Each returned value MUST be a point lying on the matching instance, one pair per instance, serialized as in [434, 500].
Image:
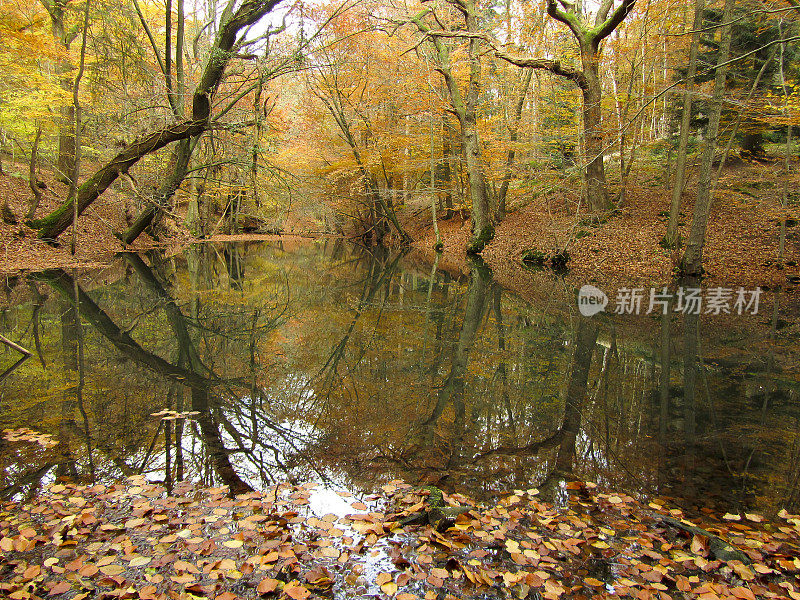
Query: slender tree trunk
[76, 158]
[672, 239]
[787, 156]
[447, 169]
[437, 245]
[692, 263]
[513, 136]
[33, 180]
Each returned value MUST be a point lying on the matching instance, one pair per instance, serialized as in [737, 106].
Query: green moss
[534, 257]
[44, 224]
[480, 239]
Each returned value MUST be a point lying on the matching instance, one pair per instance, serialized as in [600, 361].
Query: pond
[246, 364]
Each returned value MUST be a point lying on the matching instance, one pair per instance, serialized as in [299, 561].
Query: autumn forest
[441, 299]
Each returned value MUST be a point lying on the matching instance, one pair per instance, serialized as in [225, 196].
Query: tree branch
[610, 24]
[568, 18]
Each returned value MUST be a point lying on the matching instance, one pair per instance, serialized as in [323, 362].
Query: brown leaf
[743, 592]
[699, 545]
[296, 591]
[112, 570]
[88, 570]
[32, 572]
[268, 585]
[60, 588]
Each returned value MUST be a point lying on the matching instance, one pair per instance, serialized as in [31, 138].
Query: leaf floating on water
[112, 570]
[753, 517]
[62, 587]
[296, 591]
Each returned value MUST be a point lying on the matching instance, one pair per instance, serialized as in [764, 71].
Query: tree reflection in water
[326, 361]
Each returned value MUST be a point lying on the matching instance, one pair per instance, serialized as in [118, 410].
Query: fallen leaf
[296, 591]
[61, 587]
[390, 589]
[112, 570]
[267, 585]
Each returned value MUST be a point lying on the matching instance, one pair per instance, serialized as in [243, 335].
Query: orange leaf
[268, 585]
[88, 570]
[32, 572]
[60, 588]
[296, 591]
[744, 593]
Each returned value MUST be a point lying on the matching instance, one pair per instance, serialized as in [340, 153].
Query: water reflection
[326, 361]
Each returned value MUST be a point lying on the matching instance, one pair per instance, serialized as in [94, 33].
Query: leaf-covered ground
[131, 540]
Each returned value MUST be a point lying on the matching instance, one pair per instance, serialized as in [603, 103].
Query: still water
[254, 363]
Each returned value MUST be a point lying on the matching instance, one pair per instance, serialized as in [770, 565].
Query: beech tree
[464, 103]
[227, 42]
[588, 34]
[692, 262]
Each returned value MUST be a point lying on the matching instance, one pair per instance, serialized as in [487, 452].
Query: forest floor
[96, 245]
[133, 540]
[741, 250]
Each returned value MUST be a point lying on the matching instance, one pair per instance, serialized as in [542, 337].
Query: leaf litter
[133, 541]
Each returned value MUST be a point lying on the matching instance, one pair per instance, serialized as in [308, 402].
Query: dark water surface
[323, 361]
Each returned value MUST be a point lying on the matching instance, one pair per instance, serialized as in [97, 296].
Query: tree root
[437, 513]
[721, 549]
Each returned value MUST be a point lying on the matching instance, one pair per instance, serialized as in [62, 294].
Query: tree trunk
[465, 108]
[218, 57]
[692, 263]
[482, 226]
[672, 239]
[33, 180]
[168, 188]
[447, 170]
[525, 80]
[596, 194]
[66, 120]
